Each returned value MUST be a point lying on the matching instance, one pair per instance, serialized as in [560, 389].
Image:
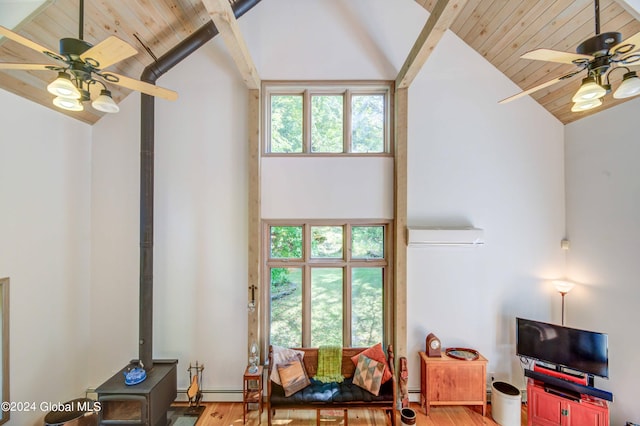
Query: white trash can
[506, 404]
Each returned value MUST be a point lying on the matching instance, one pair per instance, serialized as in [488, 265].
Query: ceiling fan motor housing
[73, 48]
[599, 44]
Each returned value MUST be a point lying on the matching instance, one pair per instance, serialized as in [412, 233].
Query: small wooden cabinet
[252, 392]
[450, 381]
[547, 409]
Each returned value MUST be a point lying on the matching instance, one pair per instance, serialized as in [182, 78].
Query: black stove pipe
[147, 112]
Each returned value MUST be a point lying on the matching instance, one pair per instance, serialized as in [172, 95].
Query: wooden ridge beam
[443, 14]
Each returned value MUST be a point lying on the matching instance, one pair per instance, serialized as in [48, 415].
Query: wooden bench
[333, 396]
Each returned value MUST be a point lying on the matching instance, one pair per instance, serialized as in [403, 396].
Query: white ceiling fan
[81, 70]
[599, 55]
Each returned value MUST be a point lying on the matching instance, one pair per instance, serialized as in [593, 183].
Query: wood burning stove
[146, 403]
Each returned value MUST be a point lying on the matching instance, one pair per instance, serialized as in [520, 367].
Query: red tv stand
[546, 408]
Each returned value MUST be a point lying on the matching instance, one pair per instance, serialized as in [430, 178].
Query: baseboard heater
[418, 236]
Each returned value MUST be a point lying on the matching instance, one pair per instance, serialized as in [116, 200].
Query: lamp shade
[105, 102]
[589, 90]
[585, 105]
[563, 286]
[68, 104]
[63, 87]
[630, 86]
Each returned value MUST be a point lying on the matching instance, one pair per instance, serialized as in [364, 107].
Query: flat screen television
[579, 350]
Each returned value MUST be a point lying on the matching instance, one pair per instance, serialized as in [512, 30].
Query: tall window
[327, 118]
[328, 283]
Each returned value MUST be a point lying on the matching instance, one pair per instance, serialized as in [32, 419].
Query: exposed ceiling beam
[443, 14]
[225, 21]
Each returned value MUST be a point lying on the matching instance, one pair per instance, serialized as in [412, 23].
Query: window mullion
[346, 122]
[306, 285]
[346, 285]
[346, 309]
[306, 122]
[306, 306]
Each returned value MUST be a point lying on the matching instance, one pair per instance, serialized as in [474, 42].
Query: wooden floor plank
[230, 414]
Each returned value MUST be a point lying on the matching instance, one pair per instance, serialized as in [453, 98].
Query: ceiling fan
[81, 70]
[599, 55]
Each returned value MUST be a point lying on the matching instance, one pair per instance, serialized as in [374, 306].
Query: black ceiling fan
[81, 69]
[599, 56]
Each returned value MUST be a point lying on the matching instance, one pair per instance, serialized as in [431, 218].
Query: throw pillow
[368, 374]
[375, 352]
[293, 376]
[281, 355]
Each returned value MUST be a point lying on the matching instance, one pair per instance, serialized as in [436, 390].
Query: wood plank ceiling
[503, 30]
[500, 30]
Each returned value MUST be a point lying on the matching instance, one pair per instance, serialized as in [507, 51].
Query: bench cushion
[330, 393]
[348, 392]
[316, 392]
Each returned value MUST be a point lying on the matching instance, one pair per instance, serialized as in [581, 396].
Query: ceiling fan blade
[147, 88]
[30, 67]
[625, 46]
[556, 56]
[538, 87]
[108, 52]
[25, 41]
[631, 59]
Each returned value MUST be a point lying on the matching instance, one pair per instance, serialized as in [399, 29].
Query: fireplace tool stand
[194, 393]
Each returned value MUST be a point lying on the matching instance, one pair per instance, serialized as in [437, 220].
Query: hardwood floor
[230, 414]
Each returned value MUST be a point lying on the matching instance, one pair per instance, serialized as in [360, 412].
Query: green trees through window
[286, 123]
[327, 284]
[328, 120]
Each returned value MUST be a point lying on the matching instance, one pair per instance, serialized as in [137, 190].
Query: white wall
[473, 162]
[603, 214]
[45, 163]
[115, 241]
[327, 187]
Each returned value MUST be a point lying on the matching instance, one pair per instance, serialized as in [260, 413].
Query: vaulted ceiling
[499, 30]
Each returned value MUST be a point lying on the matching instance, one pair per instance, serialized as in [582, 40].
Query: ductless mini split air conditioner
[429, 236]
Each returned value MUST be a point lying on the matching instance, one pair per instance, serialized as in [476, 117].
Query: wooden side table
[252, 389]
[449, 381]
